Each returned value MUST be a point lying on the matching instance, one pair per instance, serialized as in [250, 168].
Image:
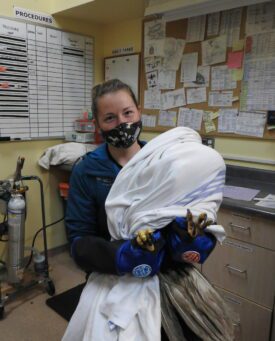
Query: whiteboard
[125, 68]
[46, 78]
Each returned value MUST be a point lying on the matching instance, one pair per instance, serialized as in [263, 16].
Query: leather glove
[142, 256]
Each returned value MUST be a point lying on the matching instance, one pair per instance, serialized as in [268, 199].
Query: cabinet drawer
[243, 269]
[248, 228]
[251, 321]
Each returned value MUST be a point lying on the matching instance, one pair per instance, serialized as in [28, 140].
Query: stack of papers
[268, 201]
[240, 193]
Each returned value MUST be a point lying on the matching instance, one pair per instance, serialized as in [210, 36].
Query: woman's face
[115, 108]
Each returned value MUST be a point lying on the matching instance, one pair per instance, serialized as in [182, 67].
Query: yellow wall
[6, 6]
[62, 5]
[262, 150]
[123, 34]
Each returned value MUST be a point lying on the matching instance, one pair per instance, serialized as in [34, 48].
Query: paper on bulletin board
[209, 124]
[154, 38]
[221, 78]
[238, 45]
[148, 120]
[260, 18]
[231, 24]
[189, 66]
[202, 78]
[235, 60]
[173, 99]
[152, 99]
[214, 50]
[167, 118]
[173, 50]
[167, 79]
[191, 118]
[237, 74]
[220, 99]
[258, 86]
[196, 28]
[227, 120]
[213, 24]
[152, 79]
[251, 124]
[196, 95]
[152, 64]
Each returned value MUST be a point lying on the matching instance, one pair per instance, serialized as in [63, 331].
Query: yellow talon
[144, 240]
[196, 227]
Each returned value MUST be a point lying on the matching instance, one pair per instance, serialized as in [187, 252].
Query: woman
[118, 117]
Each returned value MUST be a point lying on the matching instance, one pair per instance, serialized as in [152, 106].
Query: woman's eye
[127, 113]
[109, 119]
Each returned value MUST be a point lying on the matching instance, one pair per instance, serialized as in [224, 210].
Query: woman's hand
[187, 241]
[141, 256]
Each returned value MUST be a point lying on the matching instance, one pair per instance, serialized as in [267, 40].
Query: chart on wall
[46, 77]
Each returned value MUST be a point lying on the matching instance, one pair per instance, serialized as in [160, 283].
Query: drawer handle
[232, 268]
[240, 227]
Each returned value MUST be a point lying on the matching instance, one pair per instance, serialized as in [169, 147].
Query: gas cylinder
[16, 237]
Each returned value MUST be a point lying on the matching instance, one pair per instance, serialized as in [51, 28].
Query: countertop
[262, 180]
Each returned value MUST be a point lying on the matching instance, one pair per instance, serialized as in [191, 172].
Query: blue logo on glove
[142, 270]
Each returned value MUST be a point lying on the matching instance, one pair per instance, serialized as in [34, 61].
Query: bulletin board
[46, 77]
[126, 68]
[178, 29]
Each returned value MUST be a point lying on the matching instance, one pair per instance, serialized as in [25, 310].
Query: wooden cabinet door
[244, 269]
[248, 228]
[251, 321]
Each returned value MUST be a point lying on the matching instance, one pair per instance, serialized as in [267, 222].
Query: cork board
[178, 29]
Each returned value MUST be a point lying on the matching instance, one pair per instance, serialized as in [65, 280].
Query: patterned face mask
[124, 135]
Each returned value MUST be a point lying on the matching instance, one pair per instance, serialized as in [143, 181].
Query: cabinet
[243, 271]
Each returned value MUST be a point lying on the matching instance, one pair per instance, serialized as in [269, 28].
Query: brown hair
[109, 86]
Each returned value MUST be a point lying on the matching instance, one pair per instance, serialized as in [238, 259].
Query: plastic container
[84, 126]
[80, 137]
[64, 189]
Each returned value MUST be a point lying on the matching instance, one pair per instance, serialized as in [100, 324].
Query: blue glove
[131, 258]
[180, 242]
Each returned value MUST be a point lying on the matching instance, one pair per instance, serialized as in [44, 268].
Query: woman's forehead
[120, 97]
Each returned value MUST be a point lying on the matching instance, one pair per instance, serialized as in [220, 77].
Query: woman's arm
[91, 251]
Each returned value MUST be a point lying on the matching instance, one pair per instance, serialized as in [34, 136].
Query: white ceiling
[106, 11]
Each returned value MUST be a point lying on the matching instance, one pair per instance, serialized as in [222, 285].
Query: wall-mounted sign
[37, 17]
[123, 50]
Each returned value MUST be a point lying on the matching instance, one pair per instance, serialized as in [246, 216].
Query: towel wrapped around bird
[171, 175]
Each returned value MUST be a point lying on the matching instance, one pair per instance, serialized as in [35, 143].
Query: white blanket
[171, 173]
[64, 153]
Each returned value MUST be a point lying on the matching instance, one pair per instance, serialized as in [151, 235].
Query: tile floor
[28, 318]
